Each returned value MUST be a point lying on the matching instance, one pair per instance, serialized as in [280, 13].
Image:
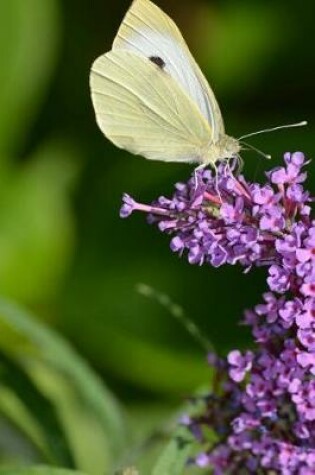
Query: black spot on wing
[158, 61]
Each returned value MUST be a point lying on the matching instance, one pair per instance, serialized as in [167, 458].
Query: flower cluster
[262, 408]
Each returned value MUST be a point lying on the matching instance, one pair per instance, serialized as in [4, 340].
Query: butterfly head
[229, 147]
[226, 147]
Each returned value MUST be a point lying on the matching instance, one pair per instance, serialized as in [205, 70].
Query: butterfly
[151, 98]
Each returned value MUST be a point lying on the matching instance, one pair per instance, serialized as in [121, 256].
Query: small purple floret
[129, 205]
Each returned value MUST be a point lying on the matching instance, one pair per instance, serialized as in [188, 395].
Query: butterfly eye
[158, 61]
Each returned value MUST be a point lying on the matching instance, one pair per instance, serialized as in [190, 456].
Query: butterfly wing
[141, 108]
[148, 31]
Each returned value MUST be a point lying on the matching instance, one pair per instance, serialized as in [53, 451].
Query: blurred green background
[64, 252]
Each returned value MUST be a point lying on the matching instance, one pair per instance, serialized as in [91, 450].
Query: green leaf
[28, 46]
[38, 470]
[36, 225]
[83, 400]
[173, 459]
[32, 412]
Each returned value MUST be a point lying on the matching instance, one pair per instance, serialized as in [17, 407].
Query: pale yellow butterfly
[151, 98]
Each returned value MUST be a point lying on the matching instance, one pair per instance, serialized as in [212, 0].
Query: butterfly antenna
[272, 129]
[260, 152]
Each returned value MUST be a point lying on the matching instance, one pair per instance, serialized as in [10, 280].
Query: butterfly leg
[196, 170]
[216, 182]
[240, 164]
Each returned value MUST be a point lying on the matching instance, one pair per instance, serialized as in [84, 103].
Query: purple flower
[307, 252]
[129, 205]
[239, 365]
[202, 460]
[279, 278]
[262, 408]
[272, 219]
